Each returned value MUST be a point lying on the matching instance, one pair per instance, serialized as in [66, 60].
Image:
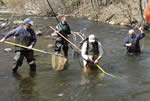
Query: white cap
[27, 20]
[131, 31]
[92, 38]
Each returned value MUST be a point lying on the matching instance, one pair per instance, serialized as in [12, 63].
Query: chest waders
[24, 39]
[135, 48]
[60, 42]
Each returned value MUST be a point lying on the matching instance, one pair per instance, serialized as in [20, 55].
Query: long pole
[55, 15]
[38, 50]
[53, 11]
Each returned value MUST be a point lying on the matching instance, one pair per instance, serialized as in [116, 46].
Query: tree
[142, 21]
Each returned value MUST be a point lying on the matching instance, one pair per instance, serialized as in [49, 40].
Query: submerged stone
[60, 94]
[7, 49]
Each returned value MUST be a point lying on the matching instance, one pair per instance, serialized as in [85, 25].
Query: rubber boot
[65, 49]
[33, 67]
[14, 68]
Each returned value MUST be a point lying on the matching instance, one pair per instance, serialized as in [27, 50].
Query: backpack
[81, 43]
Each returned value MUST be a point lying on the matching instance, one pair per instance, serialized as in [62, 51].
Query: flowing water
[72, 84]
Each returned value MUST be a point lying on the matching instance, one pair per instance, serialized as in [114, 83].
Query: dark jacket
[23, 37]
[135, 47]
[64, 29]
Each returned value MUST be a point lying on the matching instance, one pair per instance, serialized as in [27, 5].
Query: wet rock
[53, 38]
[50, 46]
[47, 37]
[96, 20]
[111, 22]
[54, 34]
[39, 33]
[89, 18]
[45, 18]
[18, 22]
[123, 24]
[60, 94]
[99, 20]
[7, 49]
[107, 22]
[3, 24]
[3, 19]
[32, 12]
[99, 85]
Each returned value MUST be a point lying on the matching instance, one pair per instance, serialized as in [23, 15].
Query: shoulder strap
[87, 44]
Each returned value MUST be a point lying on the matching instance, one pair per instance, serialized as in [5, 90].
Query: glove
[90, 58]
[2, 40]
[96, 61]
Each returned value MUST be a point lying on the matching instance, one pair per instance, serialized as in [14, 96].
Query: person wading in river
[24, 35]
[132, 41]
[64, 29]
[92, 52]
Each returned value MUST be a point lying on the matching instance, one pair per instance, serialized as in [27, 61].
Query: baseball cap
[29, 21]
[92, 38]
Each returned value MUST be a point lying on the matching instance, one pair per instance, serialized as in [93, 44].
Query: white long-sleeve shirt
[84, 47]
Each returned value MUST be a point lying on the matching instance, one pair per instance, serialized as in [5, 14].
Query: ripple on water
[145, 61]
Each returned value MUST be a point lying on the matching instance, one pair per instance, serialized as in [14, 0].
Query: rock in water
[39, 33]
[7, 49]
[60, 94]
[112, 22]
[3, 24]
[18, 22]
[3, 19]
[54, 34]
[50, 46]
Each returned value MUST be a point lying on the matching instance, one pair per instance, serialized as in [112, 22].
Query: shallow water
[72, 84]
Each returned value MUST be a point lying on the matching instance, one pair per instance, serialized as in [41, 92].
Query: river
[72, 84]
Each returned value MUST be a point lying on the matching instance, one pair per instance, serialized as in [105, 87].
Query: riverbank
[124, 13]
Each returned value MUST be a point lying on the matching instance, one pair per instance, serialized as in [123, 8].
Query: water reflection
[26, 87]
[87, 78]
